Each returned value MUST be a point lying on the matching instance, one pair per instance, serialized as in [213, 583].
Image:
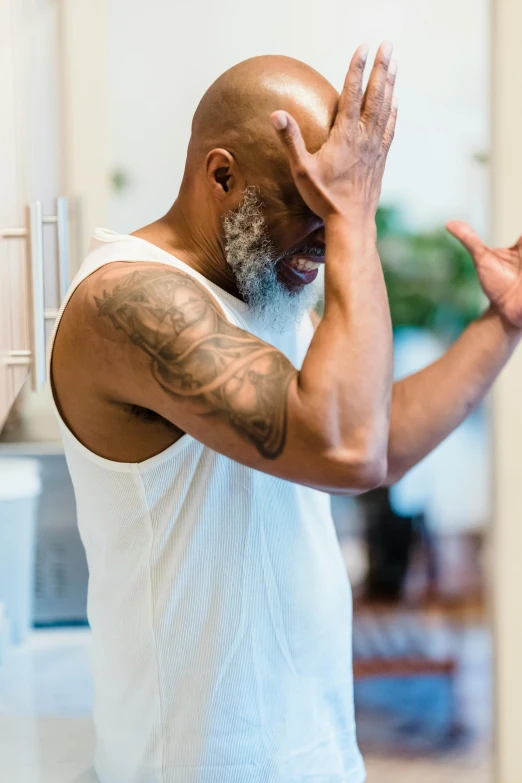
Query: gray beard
[252, 258]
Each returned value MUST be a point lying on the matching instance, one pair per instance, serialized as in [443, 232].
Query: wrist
[511, 331]
[356, 224]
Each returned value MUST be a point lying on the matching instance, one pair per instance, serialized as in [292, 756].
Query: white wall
[163, 55]
[84, 76]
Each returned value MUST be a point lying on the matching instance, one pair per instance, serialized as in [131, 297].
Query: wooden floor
[423, 771]
[469, 638]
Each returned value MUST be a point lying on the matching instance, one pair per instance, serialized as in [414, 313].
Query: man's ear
[223, 176]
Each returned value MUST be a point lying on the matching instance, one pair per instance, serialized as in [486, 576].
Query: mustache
[252, 257]
[313, 251]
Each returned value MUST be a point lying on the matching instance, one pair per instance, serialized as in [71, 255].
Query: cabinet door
[31, 170]
[13, 283]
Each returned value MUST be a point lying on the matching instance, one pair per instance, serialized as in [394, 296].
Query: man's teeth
[304, 264]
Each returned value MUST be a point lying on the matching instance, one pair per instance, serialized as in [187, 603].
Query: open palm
[499, 271]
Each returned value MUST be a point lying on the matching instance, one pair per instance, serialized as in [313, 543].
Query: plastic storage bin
[19, 489]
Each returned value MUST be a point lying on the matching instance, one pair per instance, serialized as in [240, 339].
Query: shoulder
[122, 300]
[121, 289]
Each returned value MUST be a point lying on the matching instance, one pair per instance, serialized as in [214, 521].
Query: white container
[5, 635]
[19, 489]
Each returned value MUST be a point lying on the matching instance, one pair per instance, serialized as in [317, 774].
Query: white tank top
[218, 601]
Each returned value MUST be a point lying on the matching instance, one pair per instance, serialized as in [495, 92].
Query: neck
[189, 233]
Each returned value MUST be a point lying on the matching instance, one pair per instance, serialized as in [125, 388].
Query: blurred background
[98, 98]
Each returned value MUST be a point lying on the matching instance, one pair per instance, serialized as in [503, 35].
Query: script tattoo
[197, 356]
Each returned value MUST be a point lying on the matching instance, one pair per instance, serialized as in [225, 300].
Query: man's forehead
[313, 109]
[265, 155]
[237, 107]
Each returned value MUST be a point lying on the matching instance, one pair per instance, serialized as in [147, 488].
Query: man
[201, 416]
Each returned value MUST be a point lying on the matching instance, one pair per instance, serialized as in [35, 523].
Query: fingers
[374, 95]
[290, 134]
[389, 131]
[351, 96]
[469, 238]
[387, 104]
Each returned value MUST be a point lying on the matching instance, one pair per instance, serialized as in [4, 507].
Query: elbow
[369, 467]
[355, 463]
[360, 470]
[395, 472]
[370, 472]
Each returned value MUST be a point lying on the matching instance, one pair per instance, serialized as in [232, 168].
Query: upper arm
[172, 350]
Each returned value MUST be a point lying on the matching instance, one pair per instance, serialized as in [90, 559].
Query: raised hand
[345, 175]
[499, 271]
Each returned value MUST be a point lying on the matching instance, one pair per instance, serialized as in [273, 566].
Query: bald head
[238, 201]
[235, 111]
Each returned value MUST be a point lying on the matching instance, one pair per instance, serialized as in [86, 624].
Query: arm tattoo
[198, 356]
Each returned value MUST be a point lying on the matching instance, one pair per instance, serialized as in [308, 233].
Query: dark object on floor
[390, 539]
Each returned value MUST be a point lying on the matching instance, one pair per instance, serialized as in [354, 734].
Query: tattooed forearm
[196, 355]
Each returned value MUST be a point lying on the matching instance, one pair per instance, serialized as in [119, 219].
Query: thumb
[290, 134]
[466, 236]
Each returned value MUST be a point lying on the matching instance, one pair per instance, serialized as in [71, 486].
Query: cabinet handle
[38, 315]
[62, 227]
[35, 286]
[18, 358]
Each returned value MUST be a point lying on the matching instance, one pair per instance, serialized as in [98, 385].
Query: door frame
[506, 225]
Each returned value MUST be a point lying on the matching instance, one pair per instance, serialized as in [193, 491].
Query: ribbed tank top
[218, 601]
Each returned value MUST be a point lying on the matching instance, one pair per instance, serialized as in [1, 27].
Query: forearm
[347, 373]
[428, 406]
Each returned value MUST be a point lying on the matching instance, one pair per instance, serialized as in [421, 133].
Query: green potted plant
[430, 277]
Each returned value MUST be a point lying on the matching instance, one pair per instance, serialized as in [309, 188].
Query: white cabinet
[33, 255]
[14, 332]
